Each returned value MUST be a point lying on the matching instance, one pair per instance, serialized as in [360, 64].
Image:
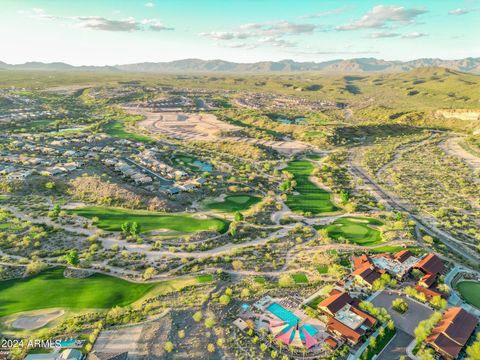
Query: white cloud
[250, 30]
[459, 11]
[149, 5]
[382, 34]
[381, 15]
[414, 35]
[276, 42]
[326, 13]
[103, 24]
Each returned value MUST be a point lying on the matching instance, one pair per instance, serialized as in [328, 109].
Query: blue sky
[93, 32]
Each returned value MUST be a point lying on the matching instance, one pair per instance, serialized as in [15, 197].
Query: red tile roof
[427, 280]
[403, 255]
[451, 333]
[336, 326]
[330, 341]
[431, 264]
[335, 302]
[369, 273]
[360, 261]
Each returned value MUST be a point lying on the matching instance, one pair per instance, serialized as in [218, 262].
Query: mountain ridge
[357, 65]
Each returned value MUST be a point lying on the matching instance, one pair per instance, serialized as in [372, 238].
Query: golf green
[357, 230]
[310, 198]
[50, 289]
[237, 202]
[470, 291]
[111, 219]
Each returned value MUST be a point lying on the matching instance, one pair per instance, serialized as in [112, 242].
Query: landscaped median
[377, 342]
[112, 219]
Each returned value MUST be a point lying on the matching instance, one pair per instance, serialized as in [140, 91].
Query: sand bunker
[32, 322]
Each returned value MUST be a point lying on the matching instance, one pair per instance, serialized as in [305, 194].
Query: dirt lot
[144, 341]
[205, 127]
[185, 126]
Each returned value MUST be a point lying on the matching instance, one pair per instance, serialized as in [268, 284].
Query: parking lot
[397, 347]
[408, 321]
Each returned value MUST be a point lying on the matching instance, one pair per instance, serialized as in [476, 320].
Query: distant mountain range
[360, 65]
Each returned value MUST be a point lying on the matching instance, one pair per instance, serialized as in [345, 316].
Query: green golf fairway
[234, 203]
[111, 219]
[470, 291]
[357, 230]
[51, 289]
[310, 198]
[117, 129]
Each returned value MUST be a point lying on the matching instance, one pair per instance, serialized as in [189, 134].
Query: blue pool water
[71, 343]
[282, 313]
[287, 316]
[203, 166]
[310, 329]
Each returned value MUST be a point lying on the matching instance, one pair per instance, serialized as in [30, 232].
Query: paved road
[397, 347]
[452, 243]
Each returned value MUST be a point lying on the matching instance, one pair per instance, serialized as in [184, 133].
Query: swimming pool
[310, 329]
[282, 313]
[71, 343]
[287, 316]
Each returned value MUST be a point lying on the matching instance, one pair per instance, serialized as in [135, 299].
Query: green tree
[72, 257]
[285, 280]
[197, 316]
[344, 196]
[209, 322]
[224, 299]
[438, 302]
[50, 185]
[125, 227]
[168, 346]
[473, 351]
[238, 216]
[400, 305]
[135, 228]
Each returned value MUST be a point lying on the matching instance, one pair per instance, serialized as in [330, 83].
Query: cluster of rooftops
[367, 269]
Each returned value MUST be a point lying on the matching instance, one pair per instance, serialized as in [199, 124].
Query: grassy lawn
[231, 203]
[51, 290]
[116, 128]
[314, 303]
[310, 198]
[206, 278]
[300, 278]
[322, 269]
[259, 280]
[394, 249]
[111, 219]
[356, 230]
[369, 352]
[470, 291]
